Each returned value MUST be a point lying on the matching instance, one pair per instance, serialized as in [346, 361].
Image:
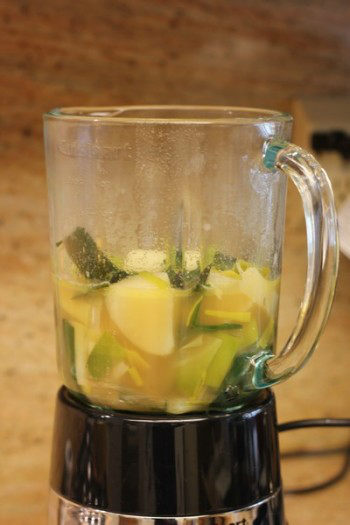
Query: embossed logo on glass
[91, 150]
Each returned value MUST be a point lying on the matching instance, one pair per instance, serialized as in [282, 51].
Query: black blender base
[215, 466]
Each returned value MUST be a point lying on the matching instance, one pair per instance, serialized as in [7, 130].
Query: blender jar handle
[322, 255]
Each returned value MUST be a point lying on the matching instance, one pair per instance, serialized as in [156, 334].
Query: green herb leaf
[223, 262]
[89, 259]
[204, 274]
[181, 278]
[176, 278]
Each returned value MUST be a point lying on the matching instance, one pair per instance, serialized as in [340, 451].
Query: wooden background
[86, 52]
[106, 52]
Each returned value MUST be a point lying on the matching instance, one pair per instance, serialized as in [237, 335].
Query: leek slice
[135, 376]
[192, 321]
[154, 279]
[106, 353]
[238, 317]
[68, 337]
[267, 335]
[222, 361]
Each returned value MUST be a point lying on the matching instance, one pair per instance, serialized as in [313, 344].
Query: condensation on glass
[166, 236]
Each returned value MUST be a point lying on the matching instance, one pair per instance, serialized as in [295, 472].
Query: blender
[167, 228]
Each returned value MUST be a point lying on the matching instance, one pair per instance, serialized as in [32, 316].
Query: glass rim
[138, 114]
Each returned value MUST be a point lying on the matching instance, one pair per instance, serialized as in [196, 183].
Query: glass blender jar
[166, 233]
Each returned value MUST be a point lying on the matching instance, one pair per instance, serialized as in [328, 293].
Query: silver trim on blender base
[265, 512]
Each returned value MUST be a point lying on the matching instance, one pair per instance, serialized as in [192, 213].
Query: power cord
[314, 423]
[308, 423]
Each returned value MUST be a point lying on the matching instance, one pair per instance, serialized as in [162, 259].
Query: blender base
[64, 512]
[113, 467]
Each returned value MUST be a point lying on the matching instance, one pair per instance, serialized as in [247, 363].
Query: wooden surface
[28, 379]
[237, 52]
[151, 51]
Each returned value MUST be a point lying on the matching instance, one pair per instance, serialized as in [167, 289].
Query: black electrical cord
[324, 484]
[316, 423]
[308, 423]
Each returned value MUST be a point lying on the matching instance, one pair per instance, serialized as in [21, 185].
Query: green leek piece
[155, 280]
[243, 265]
[239, 377]
[217, 327]
[194, 343]
[89, 259]
[193, 321]
[194, 312]
[136, 361]
[222, 361]
[250, 333]
[207, 257]
[135, 376]
[232, 273]
[192, 369]
[68, 337]
[265, 272]
[106, 353]
[238, 317]
[91, 289]
[267, 335]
